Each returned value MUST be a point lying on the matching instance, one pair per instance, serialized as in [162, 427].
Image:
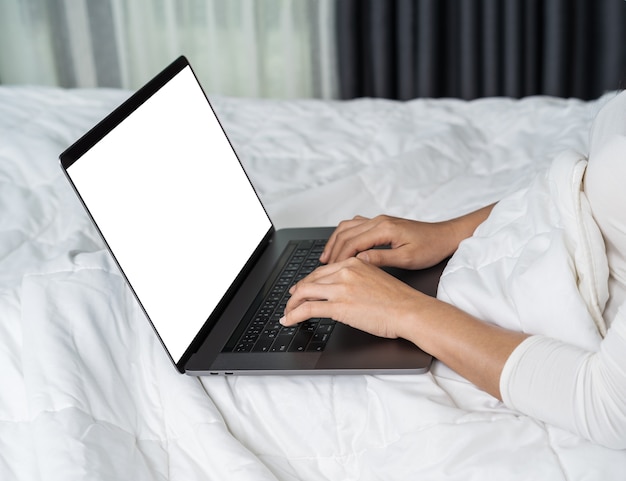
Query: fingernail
[282, 320]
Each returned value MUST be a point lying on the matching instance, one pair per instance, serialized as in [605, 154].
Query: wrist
[409, 318]
[452, 233]
[463, 227]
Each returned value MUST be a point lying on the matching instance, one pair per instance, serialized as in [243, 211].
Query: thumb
[387, 257]
[376, 257]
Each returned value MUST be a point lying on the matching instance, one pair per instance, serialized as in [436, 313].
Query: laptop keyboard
[264, 333]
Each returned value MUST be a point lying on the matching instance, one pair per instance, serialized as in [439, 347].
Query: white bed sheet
[87, 392]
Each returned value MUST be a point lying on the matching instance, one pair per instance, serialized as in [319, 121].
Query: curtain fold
[477, 48]
[269, 48]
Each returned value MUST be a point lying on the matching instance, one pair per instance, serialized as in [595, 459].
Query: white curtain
[254, 48]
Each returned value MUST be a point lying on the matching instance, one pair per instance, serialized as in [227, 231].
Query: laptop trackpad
[350, 348]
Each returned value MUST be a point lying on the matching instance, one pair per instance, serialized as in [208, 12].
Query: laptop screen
[174, 205]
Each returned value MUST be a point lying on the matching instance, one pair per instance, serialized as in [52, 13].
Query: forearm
[475, 349]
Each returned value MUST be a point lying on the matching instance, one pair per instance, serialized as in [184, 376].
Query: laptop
[175, 208]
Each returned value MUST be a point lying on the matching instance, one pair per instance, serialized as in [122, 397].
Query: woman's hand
[351, 289]
[357, 294]
[412, 244]
[365, 297]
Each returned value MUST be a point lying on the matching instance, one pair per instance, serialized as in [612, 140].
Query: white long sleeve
[584, 392]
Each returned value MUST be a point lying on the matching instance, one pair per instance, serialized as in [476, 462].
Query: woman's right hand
[409, 244]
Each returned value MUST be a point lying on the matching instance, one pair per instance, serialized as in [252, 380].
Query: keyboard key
[282, 343]
[316, 346]
[310, 325]
[300, 341]
[263, 345]
[243, 347]
[264, 333]
[320, 337]
[288, 331]
[325, 328]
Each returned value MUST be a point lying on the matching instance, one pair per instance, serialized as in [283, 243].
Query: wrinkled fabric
[553, 255]
[88, 393]
[604, 187]
[538, 263]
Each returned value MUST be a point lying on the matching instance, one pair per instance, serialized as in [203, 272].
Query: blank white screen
[177, 210]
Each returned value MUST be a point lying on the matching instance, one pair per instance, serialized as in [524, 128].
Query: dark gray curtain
[477, 48]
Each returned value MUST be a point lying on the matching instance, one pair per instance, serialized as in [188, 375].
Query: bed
[87, 392]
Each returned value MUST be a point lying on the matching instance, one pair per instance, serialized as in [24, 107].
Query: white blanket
[538, 263]
[87, 393]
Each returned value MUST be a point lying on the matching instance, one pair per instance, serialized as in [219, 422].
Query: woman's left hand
[357, 294]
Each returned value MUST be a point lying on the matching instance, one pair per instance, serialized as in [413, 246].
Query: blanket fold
[538, 263]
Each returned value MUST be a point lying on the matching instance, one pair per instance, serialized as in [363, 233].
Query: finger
[360, 239]
[319, 285]
[316, 276]
[393, 257]
[305, 298]
[307, 310]
[342, 227]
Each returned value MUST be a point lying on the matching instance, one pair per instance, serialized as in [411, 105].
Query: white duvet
[87, 393]
[538, 264]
